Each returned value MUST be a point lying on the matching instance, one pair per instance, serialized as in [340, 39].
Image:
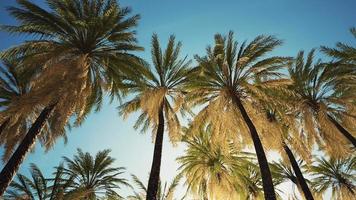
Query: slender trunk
[298, 173]
[156, 163]
[342, 130]
[4, 125]
[11, 167]
[267, 182]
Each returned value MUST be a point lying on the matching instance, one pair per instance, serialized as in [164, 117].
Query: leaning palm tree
[224, 83]
[159, 94]
[323, 103]
[164, 192]
[79, 50]
[337, 174]
[38, 187]
[212, 170]
[287, 142]
[96, 175]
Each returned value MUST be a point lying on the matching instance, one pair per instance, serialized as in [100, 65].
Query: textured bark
[298, 173]
[267, 182]
[4, 125]
[11, 167]
[157, 156]
[342, 130]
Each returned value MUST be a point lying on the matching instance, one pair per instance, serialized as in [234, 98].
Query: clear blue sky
[302, 24]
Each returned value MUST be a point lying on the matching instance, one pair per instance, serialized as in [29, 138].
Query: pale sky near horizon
[301, 24]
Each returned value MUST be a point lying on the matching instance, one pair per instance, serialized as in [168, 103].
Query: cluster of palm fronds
[224, 172]
[83, 177]
[81, 50]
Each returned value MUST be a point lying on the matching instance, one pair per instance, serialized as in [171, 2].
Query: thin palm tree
[79, 50]
[285, 133]
[224, 83]
[337, 174]
[323, 103]
[212, 170]
[165, 192]
[38, 187]
[96, 175]
[159, 94]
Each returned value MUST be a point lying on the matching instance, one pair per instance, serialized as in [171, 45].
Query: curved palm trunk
[267, 182]
[11, 167]
[4, 125]
[156, 163]
[298, 173]
[342, 130]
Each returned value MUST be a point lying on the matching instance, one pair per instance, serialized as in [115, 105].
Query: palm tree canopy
[95, 174]
[318, 91]
[161, 85]
[77, 51]
[212, 170]
[337, 174]
[38, 187]
[14, 84]
[228, 70]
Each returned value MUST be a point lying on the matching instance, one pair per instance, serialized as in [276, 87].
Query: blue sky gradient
[301, 24]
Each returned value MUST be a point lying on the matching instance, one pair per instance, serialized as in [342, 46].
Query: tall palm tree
[285, 133]
[38, 187]
[159, 94]
[212, 170]
[96, 175]
[323, 103]
[337, 174]
[223, 82]
[79, 50]
[165, 192]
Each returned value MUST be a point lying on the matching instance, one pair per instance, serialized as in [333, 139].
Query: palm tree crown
[321, 100]
[81, 50]
[337, 174]
[38, 187]
[95, 175]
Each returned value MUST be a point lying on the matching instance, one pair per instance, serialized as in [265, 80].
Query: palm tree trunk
[267, 182]
[4, 124]
[157, 156]
[11, 167]
[300, 178]
[342, 130]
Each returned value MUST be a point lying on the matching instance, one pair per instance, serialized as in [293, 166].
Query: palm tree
[164, 193]
[337, 174]
[95, 175]
[223, 82]
[322, 101]
[285, 133]
[212, 170]
[79, 50]
[41, 188]
[159, 95]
